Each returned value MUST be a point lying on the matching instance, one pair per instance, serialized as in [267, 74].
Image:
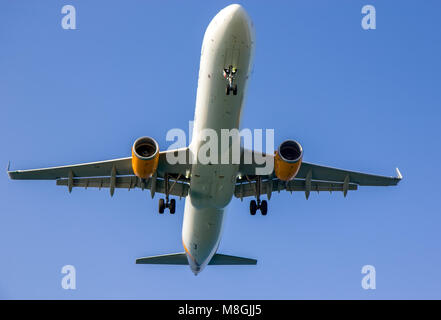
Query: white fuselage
[228, 40]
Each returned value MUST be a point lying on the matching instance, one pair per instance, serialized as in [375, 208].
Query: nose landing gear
[230, 75]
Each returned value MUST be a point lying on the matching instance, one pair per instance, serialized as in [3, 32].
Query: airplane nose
[232, 23]
[234, 8]
[238, 23]
[237, 13]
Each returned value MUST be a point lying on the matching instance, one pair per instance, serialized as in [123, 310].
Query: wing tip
[399, 175]
[10, 173]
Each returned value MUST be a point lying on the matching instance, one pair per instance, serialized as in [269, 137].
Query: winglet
[399, 175]
[8, 170]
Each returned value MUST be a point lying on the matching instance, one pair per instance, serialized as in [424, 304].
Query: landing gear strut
[170, 204]
[230, 75]
[259, 205]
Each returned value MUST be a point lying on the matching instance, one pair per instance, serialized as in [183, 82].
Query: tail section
[181, 259]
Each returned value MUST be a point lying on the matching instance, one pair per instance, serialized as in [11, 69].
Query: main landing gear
[259, 205]
[170, 204]
[167, 204]
[230, 75]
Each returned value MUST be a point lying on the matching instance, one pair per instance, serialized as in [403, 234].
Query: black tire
[264, 208]
[253, 207]
[235, 90]
[172, 206]
[161, 206]
[227, 91]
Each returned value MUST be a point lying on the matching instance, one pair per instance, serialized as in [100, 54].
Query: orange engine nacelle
[145, 157]
[288, 159]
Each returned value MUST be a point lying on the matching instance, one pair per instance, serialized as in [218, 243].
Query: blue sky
[355, 99]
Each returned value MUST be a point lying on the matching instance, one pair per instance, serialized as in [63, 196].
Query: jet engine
[145, 157]
[288, 159]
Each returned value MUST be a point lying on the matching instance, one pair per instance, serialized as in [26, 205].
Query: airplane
[225, 67]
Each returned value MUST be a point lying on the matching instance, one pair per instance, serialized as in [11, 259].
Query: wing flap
[176, 188]
[248, 189]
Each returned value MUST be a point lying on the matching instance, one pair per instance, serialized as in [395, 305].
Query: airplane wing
[311, 177]
[116, 173]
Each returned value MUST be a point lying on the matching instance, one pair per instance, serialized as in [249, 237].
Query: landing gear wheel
[235, 89]
[161, 206]
[227, 91]
[264, 208]
[172, 206]
[253, 207]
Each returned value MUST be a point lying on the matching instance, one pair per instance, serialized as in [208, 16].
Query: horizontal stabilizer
[223, 259]
[181, 259]
[174, 258]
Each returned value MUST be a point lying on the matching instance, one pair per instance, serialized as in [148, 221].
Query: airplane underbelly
[225, 43]
[228, 41]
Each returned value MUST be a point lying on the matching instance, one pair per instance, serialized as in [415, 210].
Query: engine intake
[288, 160]
[145, 157]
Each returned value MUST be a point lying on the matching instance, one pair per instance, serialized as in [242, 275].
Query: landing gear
[264, 208]
[170, 204]
[258, 205]
[230, 76]
[253, 207]
[161, 206]
[228, 89]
